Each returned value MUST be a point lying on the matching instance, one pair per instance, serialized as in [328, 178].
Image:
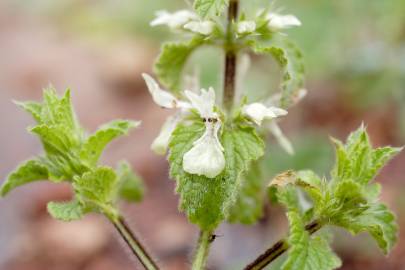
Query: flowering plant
[214, 147]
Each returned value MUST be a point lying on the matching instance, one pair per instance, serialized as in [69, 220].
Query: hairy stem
[133, 243]
[278, 249]
[203, 247]
[230, 58]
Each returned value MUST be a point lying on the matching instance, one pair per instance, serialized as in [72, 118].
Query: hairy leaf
[95, 144]
[67, 211]
[96, 187]
[248, 207]
[377, 220]
[130, 185]
[205, 8]
[30, 171]
[290, 59]
[171, 61]
[358, 160]
[207, 201]
[308, 252]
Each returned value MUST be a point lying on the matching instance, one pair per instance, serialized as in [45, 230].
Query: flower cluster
[274, 22]
[184, 20]
[206, 157]
[189, 21]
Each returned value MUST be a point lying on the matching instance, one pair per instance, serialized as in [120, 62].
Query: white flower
[201, 27]
[203, 103]
[161, 143]
[174, 20]
[206, 157]
[278, 21]
[280, 137]
[166, 100]
[161, 97]
[245, 27]
[258, 112]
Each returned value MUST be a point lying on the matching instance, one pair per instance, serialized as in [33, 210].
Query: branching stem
[134, 244]
[278, 249]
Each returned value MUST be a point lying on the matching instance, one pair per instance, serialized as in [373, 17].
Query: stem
[230, 58]
[203, 247]
[278, 249]
[134, 244]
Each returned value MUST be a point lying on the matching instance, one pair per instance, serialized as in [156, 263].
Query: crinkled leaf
[34, 108]
[205, 8]
[290, 59]
[248, 207]
[96, 187]
[377, 220]
[95, 144]
[358, 160]
[66, 211]
[207, 201]
[130, 185]
[308, 252]
[171, 61]
[30, 171]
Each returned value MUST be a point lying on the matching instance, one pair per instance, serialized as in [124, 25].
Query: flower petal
[174, 20]
[278, 21]
[245, 27]
[161, 143]
[258, 112]
[203, 103]
[201, 27]
[161, 97]
[206, 157]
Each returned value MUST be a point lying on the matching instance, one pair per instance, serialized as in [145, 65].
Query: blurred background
[355, 62]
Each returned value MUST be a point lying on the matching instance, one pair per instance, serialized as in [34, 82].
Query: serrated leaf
[358, 160]
[249, 204]
[207, 201]
[377, 220]
[307, 252]
[205, 8]
[34, 108]
[313, 185]
[30, 171]
[96, 187]
[95, 144]
[67, 211]
[130, 185]
[290, 59]
[171, 61]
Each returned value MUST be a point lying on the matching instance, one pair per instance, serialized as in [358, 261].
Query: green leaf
[130, 185]
[171, 61]
[248, 207]
[207, 201]
[96, 187]
[68, 211]
[358, 160]
[377, 220]
[95, 144]
[313, 185]
[290, 59]
[34, 108]
[205, 8]
[307, 252]
[30, 171]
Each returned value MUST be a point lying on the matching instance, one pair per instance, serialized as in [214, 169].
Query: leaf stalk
[278, 249]
[201, 255]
